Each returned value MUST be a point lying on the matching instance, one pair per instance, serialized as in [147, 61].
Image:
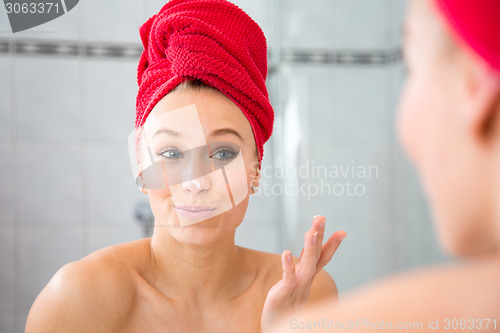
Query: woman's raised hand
[292, 291]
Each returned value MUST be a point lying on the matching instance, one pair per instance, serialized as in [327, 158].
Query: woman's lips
[195, 212]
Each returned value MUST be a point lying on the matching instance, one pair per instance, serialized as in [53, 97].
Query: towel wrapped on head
[477, 24]
[213, 41]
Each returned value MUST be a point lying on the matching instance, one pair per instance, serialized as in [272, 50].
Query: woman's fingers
[314, 256]
[329, 249]
[288, 267]
[320, 228]
[289, 277]
[308, 261]
[317, 225]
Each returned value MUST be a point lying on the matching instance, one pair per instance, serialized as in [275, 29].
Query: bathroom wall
[64, 119]
[342, 74]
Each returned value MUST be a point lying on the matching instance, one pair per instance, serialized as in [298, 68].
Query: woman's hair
[193, 84]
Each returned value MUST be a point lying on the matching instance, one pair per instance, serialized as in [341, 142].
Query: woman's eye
[171, 153]
[225, 154]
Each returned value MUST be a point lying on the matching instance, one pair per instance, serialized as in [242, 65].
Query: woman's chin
[201, 232]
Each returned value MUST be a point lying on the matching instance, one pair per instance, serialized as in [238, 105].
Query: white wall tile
[155, 6]
[261, 238]
[113, 20]
[65, 27]
[49, 184]
[409, 203]
[417, 245]
[408, 251]
[262, 209]
[261, 12]
[396, 84]
[364, 117]
[398, 10]
[5, 29]
[430, 248]
[330, 104]
[263, 206]
[112, 193]
[353, 265]
[20, 322]
[361, 24]
[409, 199]
[6, 190]
[47, 98]
[7, 323]
[5, 98]
[313, 86]
[385, 251]
[7, 271]
[110, 93]
[352, 197]
[42, 253]
[308, 25]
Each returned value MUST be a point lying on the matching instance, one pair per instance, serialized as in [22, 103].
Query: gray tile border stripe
[54, 48]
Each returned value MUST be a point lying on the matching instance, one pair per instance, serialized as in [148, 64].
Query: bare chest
[153, 313]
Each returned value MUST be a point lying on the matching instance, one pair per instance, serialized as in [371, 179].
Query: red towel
[211, 40]
[477, 23]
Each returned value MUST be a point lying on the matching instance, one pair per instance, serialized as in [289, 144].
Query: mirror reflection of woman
[203, 116]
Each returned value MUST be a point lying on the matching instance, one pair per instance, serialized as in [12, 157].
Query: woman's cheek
[161, 205]
[237, 179]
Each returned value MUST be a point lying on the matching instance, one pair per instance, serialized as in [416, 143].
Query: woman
[449, 124]
[203, 115]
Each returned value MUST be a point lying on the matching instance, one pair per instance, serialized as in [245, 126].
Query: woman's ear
[140, 179]
[482, 103]
[255, 176]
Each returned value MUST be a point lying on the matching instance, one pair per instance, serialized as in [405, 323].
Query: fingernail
[315, 236]
[322, 224]
[315, 216]
[342, 238]
[289, 256]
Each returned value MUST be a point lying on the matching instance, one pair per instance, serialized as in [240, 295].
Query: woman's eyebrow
[224, 131]
[166, 131]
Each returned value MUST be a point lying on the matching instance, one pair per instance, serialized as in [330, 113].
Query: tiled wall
[347, 116]
[67, 188]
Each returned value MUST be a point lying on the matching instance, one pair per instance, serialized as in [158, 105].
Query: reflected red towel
[477, 23]
[211, 40]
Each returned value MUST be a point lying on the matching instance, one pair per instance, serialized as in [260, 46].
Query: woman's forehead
[206, 107]
[187, 124]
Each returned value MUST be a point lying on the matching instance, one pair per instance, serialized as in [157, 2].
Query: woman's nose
[196, 185]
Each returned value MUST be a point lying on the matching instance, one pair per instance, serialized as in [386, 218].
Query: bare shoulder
[323, 286]
[460, 291]
[438, 287]
[93, 294]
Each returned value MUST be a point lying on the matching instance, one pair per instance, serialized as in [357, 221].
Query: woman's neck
[194, 273]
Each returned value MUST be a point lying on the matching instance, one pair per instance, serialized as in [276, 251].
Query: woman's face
[198, 160]
[434, 131]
